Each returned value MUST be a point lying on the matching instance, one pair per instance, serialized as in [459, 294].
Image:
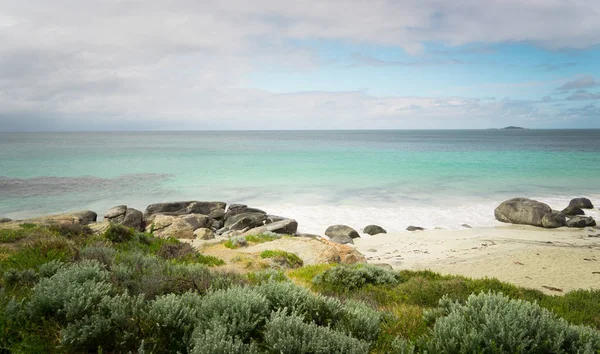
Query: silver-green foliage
[290, 334]
[49, 269]
[493, 323]
[359, 320]
[71, 293]
[114, 325]
[357, 276]
[215, 338]
[102, 254]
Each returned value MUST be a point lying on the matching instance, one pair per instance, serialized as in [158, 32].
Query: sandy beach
[553, 261]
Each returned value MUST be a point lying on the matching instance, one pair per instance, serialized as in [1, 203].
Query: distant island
[512, 127]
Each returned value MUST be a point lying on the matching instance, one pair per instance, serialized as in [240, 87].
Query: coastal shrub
[243, 310]
[118, 233]
[173, 318]
[34, 253]
[71, 230]
[99, 253]
[216, 339]
[114, 326]
[26, 277]
[290, 334]
[71, 293]
[493, 323]
[359, 320]
[50, 268]
[179, 250]
[283, 258]
[12, 235]
[356, 276]
[236, 242]
[262, 238]
[266, 276]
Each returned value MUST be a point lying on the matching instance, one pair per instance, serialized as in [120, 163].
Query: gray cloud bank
[144, 65]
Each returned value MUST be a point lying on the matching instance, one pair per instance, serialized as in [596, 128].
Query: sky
[73, 65]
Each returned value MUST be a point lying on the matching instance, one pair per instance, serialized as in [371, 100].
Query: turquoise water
[338, 173]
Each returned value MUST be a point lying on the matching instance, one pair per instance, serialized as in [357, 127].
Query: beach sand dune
[553, 261]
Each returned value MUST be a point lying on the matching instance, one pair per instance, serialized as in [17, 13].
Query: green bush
[71, 293]
[266, 276]
[493, 323]
[114, 326]
[118, 233]
[242, 310]
[262, 238]
[216, 339]
[290, 334]
[50, 268]
[41, 250]
[356, 276]
[359, 320]
[99, 253]
[26, 277]
[236, 242]
[283, 258]
[71, 230]
[10, 235]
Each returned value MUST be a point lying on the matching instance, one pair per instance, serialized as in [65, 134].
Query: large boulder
[244, 221]
[178, 226]
[522, 211]
[3, 220]
[374, 230]
[572, 210]
[85, 216]
[125, 216]
[581, 221]
[237, 209]
[553, 220]
[582, 203]
[341, 233]
[285, 227]
[183, 208]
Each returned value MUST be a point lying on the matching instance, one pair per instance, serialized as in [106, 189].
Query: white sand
[532, 257]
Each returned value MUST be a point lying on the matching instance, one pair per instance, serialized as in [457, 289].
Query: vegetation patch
[243, 241]
[356, 276]
[285, 259]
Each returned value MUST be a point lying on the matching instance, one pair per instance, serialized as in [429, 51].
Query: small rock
[371, 250]
[582, 203]
[414, 228]
[286, 227]
[374, 230]
[572, 210]
[581, 221]
[3, 220]
[467, 226]
[341, 230]
[341, 239]
[204, 234]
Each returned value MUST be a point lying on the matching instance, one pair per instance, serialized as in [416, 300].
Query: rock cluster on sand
[341, 234]
[532, 212]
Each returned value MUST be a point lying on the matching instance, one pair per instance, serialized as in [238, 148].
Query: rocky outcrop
[3, 220]
[204, 234]
[340, 233]
[572, 210]
[581, 221]
[341, 253]
[582, 203]
[236, 209]
[184, 208]
[285, 227]
[85, 216]
[178, 226]
[125, 216]
[374, 230]
[553, 220]
[522, 211]
[244, 221]
[341, 239]
[415, 228]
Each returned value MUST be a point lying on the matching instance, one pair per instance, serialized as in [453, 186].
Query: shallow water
[395, 178]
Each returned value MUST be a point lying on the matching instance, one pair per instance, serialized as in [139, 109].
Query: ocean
[428, 178]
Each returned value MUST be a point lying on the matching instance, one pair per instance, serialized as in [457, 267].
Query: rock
[522, 211]
[3, 220]
[100, 227]
[582, 203]
[178, 226]
[554, 219]
[273, 218]
[204, 234]
[581, 221]
[114, 212]
[340, 232]
[467, 226]
[374, 230]
[572, 210]
[242, 209]
[217, 214]
[85, 216]
[341, 239]
[182, 208]
[134, 219]
[244, 220]
[341, 253]
[286, 227]
[414, 228]
[308, 235]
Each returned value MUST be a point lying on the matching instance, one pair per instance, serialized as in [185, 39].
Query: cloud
[580, 83]
[131, 64]
[364, 60]
[582, 95]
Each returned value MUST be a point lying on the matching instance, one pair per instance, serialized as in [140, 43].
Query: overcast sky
[310, 64]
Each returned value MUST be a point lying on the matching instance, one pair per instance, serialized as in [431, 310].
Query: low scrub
[282, 258]
[356, 276]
